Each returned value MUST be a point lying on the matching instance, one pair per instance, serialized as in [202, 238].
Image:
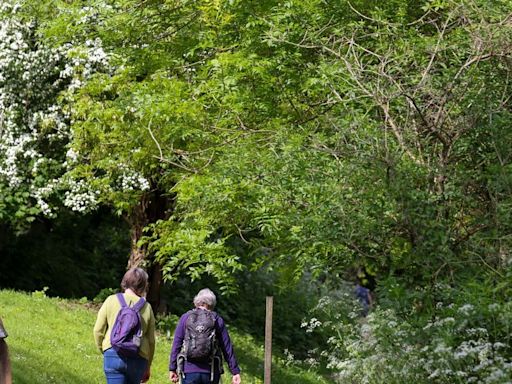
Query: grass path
[50, 341]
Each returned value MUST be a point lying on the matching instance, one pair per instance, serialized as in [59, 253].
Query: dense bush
[464, 338]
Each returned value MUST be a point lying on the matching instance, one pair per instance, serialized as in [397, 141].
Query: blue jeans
[123, 370]
[200, 378]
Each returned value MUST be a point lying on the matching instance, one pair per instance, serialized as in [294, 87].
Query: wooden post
[268, 340]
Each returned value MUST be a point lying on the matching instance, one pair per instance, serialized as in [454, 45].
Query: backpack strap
[137, 306]
[217, 356]
[121, 299]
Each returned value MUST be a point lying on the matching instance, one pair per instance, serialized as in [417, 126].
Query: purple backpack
[127, 330]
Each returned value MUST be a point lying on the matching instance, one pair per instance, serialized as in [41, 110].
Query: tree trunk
[152, 207]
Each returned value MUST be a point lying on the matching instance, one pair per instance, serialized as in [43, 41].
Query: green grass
[50, 341]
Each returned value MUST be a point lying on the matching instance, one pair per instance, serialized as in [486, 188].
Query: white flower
[466, 309]
[72, 155]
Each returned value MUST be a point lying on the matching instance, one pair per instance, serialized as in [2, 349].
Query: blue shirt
[362, 295]
[224, 343]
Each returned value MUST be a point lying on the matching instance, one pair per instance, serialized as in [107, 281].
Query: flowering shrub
[457, 343]
[38, 84]
[33, 127]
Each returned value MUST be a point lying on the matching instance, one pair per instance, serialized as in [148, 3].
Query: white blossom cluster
[30, 123]
[41, 195]
[80, 197]
[311, 325]
[131, 180]
[71, 157]
[83, 62]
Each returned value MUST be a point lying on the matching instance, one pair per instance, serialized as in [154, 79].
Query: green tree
[323, 136]
[374, 141]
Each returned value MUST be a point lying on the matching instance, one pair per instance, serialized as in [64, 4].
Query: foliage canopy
[298, 136]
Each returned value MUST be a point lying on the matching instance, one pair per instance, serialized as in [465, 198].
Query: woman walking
[201, 339]
[121, 367]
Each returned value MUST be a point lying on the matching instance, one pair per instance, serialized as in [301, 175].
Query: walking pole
[268, 340]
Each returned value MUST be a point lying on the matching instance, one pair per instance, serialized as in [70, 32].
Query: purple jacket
[224, 343]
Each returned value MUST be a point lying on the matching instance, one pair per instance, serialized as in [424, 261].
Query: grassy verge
[50, 341]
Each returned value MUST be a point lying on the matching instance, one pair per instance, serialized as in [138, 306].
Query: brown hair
[136, 279]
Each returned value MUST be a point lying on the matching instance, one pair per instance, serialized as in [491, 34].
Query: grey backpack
[200, 343]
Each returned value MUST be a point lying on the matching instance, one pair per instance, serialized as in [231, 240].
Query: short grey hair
[205, 297]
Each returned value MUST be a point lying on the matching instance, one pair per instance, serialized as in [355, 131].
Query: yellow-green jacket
[107, 316]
